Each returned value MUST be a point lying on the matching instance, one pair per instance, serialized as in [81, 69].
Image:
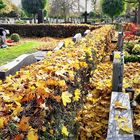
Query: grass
[13, 52]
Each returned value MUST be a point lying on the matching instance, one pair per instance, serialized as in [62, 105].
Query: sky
[17, 2]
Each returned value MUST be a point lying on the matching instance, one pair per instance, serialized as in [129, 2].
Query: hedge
[46, 96]
[42, 30]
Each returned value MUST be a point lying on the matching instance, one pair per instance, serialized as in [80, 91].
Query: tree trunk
[112, 18]
[34, 18]
[138, 15]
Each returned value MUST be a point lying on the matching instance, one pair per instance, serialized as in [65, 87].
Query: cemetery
[70, 81]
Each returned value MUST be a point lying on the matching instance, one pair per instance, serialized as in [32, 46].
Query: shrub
[129, 46]
[15, 37]
[136, 49]
[43, 30]
[132, 58]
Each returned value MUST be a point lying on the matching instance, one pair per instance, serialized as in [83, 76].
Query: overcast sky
[17, 2]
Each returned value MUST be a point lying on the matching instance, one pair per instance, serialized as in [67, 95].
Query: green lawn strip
[10, 53]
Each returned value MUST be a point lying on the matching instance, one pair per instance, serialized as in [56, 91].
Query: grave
[118, 65]
[60, 46]
[119, 118]
[14, 66]
[114, 131]
[120, 41]
[86, 32]
[40, 55]
[77, 38]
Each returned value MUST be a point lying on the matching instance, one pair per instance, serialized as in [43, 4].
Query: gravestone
[120, 41]
[77, 38]
[86, 32]
[40, 55]
[60, 45]
[14, 66]
[118, 66]
[125, 116]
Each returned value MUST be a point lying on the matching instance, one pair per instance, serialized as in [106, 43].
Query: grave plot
[132, 43]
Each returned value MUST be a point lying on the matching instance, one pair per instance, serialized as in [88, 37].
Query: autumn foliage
[41, 100]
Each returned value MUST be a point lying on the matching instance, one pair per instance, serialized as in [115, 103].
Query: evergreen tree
[113, 8]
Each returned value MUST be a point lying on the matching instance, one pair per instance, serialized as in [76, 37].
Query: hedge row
[43, 30]
[45, 97]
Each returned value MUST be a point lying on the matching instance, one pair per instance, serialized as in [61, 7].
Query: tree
[63, 8]
[113, 8]
[137, 4]
[2, 5]
[8, 8]
[33, 6]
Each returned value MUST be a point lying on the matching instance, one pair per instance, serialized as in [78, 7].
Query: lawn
[25, 46]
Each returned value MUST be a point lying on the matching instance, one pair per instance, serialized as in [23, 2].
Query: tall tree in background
[33, 6]
[63, 8]
[113, 8]
[2, 5]
[137, 4]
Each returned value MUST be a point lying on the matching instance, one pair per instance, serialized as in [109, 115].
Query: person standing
[3, 37]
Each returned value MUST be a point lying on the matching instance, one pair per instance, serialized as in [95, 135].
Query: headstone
[120, 41]
[77, 38]
[119, 118]
[40, 55]
[118, 64]
[60, 45]
[86, 32]
[14, 66]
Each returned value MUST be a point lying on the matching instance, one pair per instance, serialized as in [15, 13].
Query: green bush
[136, 49]
[15, 37]
[132, 58]
[129, 47]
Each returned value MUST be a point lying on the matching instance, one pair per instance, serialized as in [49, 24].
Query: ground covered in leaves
[66, 96]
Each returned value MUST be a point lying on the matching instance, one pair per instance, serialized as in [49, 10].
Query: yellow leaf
[117, 56]
[125, 128]
[118, 105]
[83, 64]
[62, 83]
[120, 119]
[32, 135]
[65, 131]
[66, 98]
[2, 122]
[77, 94]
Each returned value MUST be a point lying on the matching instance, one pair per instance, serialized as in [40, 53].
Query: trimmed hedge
[132, 58]
[42, 30]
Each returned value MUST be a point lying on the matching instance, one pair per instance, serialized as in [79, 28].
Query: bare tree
[64, 8]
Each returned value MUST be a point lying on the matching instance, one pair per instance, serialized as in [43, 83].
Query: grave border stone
[14, 66]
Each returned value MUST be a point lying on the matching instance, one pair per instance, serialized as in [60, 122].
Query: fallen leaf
[118, 105]
[32, 135]
[65, 131]
[66, 98]
[125, 128]
[77, 94]
[24, 123]
[2, 119]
